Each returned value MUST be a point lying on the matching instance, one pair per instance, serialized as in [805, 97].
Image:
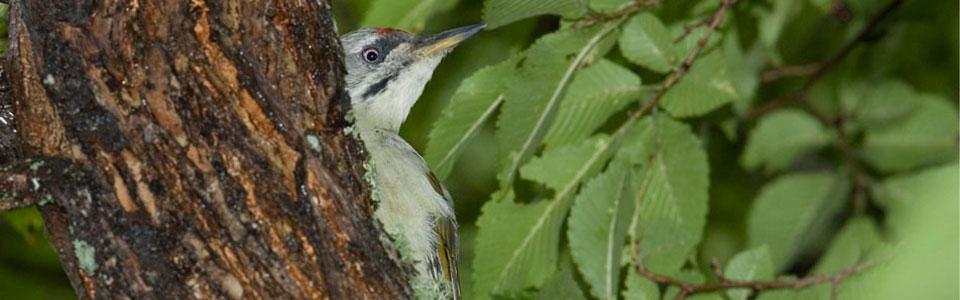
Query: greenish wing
[447, 252]
[448, 247]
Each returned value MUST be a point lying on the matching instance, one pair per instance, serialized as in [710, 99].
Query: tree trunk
[193, 149]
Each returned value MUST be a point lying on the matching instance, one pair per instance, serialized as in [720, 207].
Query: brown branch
[625, 10]
[790, 71]
[681, 70]
[688, 29]
[868, 33]
[689, 288]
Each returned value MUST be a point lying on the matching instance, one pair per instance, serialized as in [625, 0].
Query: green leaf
[648, 43]
[852, 245]
[558, 167]
[771, 23]
[640, 288]
[410, 15]
[27, 222]
[744, 70]
[472, 105]
[597, 228]
[695, 277]
[596, 93]
[926, 136]
[922, 216]
[792, 209]
[562, 285]
[533, 98]
[750, 265]
[497, 13]
[518, 243]
[780, 138]
[704, 88]
[671, 197]
[882, 103]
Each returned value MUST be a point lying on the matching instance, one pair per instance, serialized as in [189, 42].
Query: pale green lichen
[368, 176]
[8, 196]
[34, 166]
[86, 255]
[46, 199]
[314, 142]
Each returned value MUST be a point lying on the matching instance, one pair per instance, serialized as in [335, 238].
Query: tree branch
[624, 10]
[868, 33]
[689, 288]
[673, 78]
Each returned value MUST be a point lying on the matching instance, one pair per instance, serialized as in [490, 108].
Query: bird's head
[387, 70]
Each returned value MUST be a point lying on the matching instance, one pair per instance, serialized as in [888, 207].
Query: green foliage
[779, 138]
[672, 193]
[410, 15]
[792, 209]
[598, 226]
[598, 92]
[497, 13]
[647, 42]
[583, 184]
[706, 87]
[472, 105]
[926, 136]
[753, 264]
[531, 104]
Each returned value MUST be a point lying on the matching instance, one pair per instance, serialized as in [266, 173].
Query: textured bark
[194, 149]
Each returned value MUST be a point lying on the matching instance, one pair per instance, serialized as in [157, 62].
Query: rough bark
[193, 149]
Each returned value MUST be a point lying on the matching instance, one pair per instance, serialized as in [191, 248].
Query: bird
[386, 72]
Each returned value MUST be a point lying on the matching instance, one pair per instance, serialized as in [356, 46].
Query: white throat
[388, 109]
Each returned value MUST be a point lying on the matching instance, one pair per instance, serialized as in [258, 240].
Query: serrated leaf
[791, 209]
[780, 138]
[640, 288]
[507, 265]
[926, 136]
[704, 88]
[648, 43]
[410, 15]
[750, 265]
[533, 98]
[497, 13]
[558, 167]
[472, 105]
[671, 197]
[562, 286]
[596, 93]
[597, 228]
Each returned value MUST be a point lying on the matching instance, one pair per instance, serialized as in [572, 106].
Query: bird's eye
[371, 55]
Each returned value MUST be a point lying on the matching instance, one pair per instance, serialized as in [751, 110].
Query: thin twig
[688, 29]
[689, 288]
[867, 34]
[681, 70]
[789, 71]
[625, 10]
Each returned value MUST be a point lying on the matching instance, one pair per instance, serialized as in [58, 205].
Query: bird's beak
[447, 40]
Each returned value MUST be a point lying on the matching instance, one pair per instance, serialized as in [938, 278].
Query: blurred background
[921, 49]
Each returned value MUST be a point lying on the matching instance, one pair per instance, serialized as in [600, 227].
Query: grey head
[387, 70]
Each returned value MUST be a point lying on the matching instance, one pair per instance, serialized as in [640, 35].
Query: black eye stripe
[378, 87]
